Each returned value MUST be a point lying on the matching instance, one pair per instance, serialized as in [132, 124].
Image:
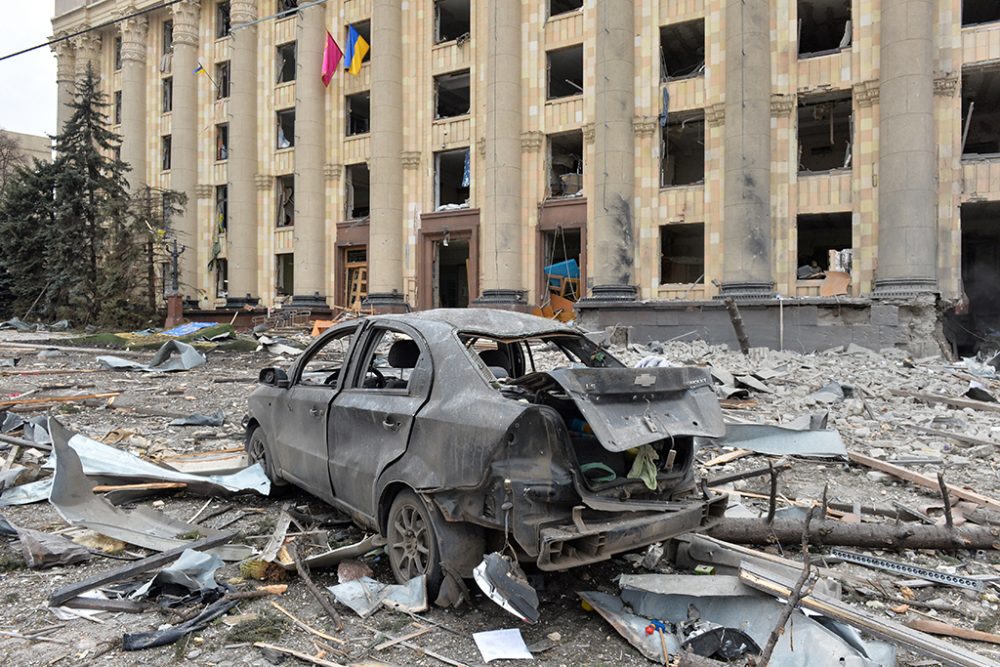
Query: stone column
[500, 232]
[88, 51]
[310, 149]
[184, 128]
[133, 127]
[242, 233]
[385, 251]
[907, 199]
[746, 230]
[613, 245]
[65, 81]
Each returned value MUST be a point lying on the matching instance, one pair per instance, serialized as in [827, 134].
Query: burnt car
[454, 433]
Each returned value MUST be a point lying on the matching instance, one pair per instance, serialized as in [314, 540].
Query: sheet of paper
[502, 645]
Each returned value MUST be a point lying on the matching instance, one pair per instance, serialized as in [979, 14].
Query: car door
[302, 427]
[370, 425]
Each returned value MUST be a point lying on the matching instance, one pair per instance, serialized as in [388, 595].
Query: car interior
[391, 362]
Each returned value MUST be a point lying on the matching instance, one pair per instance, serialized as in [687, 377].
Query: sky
[27, 82]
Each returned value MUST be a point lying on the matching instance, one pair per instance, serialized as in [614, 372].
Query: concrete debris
[214, 419]
[42, 550]
[365, 596]
[978, 392]
[164, 361]
[276, 347]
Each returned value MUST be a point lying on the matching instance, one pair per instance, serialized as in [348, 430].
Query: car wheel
[258, 451]
[412, 542]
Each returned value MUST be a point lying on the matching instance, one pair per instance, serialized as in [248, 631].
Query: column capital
[866, 92]
[134, 31]
[186, 15]
[945, 84]
[782, 105]
[645, 126]
[715, 114]
[242, 11]
[333, 172]
[410, 159]
[204, 190]
[532, 140]
[88, 47]
[65, 54]
[588, 133]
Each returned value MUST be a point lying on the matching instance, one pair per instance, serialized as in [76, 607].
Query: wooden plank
[948, 400]
[948, 630]
[780, 586]
[138, 567]
[921, 480]
[58, 399]
[412, 635]
[305, 657]
[968, 439]
[727, 457]
[149, 486]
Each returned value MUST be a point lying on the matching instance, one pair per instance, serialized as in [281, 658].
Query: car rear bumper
[562, 547]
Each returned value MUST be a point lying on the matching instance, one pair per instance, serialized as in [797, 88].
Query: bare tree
[11, 157]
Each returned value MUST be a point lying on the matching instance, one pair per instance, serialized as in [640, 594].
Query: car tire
[259, 451]
[412, 542]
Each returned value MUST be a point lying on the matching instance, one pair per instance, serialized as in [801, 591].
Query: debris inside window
[565, 158]
[453, 94]
[452, 20]
[682, 50]
[818, 234]
[452, 179]
[286, 200]
[825, 131]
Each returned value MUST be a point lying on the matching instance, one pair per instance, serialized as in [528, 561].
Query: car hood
[631, 407]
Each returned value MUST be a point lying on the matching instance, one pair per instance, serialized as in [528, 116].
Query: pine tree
[26, 211]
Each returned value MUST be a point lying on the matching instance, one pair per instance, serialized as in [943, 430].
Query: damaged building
[843, 163]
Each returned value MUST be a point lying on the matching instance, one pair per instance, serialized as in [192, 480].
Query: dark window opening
[118, 107]
[364, 29]
[222, 21]
[222, 80]
[168, 94]
[165, 151]
[356, 179]
[562, 262]
[287, 5]
[285, 63]
[980, 11]
[286, 128]
[565, 159]
[824, 26]
[683, 151]
[565, 72]
[450, 266]
[222, 142]
[453, 94]
[168, 37]
[825, 134]
[682, 254]
[118, 53]
[359, 114]
[284, 274]
[221, 278]
[557, 7]
[818, 234]
[980, 113]
[286, 200]
[451, 179]
[682, 50]
[972, 331]
[452, 20]
[355, 275]
[222, 207]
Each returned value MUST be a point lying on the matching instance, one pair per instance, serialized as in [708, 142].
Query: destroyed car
[454, 433]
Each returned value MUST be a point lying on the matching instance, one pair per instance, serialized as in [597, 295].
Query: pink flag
[331, 58]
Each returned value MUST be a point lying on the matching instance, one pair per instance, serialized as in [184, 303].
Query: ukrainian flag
[357, 47]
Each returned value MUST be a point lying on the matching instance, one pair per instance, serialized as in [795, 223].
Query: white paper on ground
[502, 645]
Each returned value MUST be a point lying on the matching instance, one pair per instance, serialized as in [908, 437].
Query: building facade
[678, 150]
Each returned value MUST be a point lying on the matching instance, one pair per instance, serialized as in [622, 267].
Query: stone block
[884, 315]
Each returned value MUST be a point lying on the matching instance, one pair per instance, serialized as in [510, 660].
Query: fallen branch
[737, 320]
[868, 535]
[298, 654]
[323, 599]
[948, 630]
[57, 399]
[302, 624]
[921, 480]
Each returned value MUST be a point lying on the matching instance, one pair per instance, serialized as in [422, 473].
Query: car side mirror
[275, 377]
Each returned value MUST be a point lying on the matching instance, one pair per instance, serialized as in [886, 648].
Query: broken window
[451, 179]
[118, 107]
[168, 37]
[324, 365]
[818, 234]
[824, 26]
[980, 11]
[453, 94]
[980, 268]
[683, 150]
[565, 68]
[562, 262]
[682, 253]
[286, 200]
[222, 207]
[168, 94]
[355, 276]
[222, 23]
[825, 134]
[118, 52]
[286, 128]
[980, 113]
[358, 113]
[287, 5]
[165, 150]
[221, 278]
[356, 178]
[557, 7]
[565, 160]
[284, 274]
[285, 63]
[391, 358]
[682, 50]
[222, 80]
[452, 20]
[222, 142]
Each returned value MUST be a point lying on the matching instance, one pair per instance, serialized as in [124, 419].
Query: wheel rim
[256, 451]
[410, 547]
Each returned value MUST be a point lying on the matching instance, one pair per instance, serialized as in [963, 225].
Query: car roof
[486, 321]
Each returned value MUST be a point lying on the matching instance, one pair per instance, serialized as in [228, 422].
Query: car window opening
[325, 365]
[391, 359]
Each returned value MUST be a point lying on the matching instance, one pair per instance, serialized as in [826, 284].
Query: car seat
[498, 362]
[403, 354]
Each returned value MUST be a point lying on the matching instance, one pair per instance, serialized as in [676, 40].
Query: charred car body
[455, 432]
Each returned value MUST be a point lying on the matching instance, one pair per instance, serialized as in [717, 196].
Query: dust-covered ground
[874, 422]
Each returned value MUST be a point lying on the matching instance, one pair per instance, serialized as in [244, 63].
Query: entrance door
[450, 273]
